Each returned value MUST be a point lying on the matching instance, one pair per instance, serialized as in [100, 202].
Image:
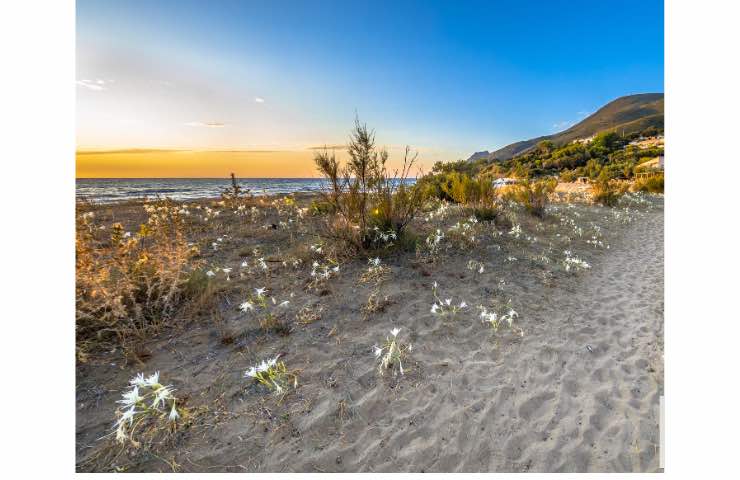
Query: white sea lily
[152, 379]
[210, 273]
[395, 331]
[435, 308]
[435, 284]
[463, 304]
[448, 301]
[173, 414]
[336, 269]
[245, 264]
[252, 372]
[131, 398]
[226, 270]
[128, 415]
[284, 303]
[121, 434]
[260, 291]
[377, 351]
[138, 380]
[246, 306]
[161, 395]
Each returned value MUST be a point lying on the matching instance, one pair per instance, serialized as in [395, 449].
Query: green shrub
[607, 192]
[533, 195]
[651, 184]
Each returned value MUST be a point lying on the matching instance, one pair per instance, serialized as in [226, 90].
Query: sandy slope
[545, 403]
[578, 392]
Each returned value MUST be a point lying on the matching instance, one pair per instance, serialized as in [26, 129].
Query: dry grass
[129, 284]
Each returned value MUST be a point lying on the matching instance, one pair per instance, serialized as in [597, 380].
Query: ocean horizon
[113, 190]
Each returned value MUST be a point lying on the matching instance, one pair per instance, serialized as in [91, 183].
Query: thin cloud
[206, 124]
[96, 85]
[127, 151]
[259, 100]
[328, 147]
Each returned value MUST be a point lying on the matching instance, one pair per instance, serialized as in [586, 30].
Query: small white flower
[128, 415]
[377, 351]
[435, 308]
[173, 414]
[138, 380]
[463, 304]
[395, 331]
[246, 306]
[131, 398]
[260, 291]
[153, 379]
[210, 273]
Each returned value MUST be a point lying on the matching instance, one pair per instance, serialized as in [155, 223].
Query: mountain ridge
[627, 114]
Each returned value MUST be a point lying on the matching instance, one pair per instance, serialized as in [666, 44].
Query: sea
[112, 190]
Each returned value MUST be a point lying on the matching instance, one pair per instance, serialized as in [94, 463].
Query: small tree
[365, 197]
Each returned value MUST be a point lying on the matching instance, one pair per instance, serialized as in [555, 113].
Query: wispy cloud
[328, 147]
[259, 100]
[96, 85]
[206, 124]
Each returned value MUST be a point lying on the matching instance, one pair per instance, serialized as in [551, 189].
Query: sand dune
[579, 391]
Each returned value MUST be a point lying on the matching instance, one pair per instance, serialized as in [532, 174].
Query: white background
[37, 133]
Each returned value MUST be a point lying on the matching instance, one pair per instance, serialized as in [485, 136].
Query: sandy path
[580, 392]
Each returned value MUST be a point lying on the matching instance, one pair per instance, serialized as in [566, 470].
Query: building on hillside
[584, 141]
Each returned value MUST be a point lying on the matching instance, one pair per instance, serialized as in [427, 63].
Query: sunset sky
[201, 89]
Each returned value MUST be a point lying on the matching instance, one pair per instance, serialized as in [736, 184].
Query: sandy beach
[575, 387]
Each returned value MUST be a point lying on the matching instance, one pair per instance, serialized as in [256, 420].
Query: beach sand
[578, 392]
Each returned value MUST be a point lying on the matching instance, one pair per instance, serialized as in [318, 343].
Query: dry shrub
[608, 192]
[533, 195]
[365, 197]
[127, 285]
[652, 184]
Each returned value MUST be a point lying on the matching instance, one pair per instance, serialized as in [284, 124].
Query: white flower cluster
[146, 397]
[445, 307]
[572, 262]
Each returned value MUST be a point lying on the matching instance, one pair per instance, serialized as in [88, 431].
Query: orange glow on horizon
[160, 163]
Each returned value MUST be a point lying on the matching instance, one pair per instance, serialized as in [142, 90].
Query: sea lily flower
[395, 331]
[153, 379]
[377, 351]
[173, 414]
[260, 291]
[131, 398]
[246, 306]
[138, 380]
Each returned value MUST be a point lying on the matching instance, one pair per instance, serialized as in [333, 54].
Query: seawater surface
[109, 190]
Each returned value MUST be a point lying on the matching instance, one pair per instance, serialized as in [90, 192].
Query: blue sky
[447, 77]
